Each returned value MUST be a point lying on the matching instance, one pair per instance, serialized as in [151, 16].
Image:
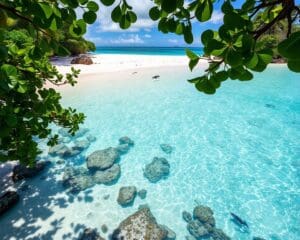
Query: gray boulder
[20, 171]
[205, 215]
[90, 234]
[187, 216]
[86, 60]
[123, 148]
[62, 150]
[108, 176]
[171, 235]
[140, 225]
[166, 148]
[158, 169]
[102, 159]
[126, 140]
[142, 193]
[197, 229]
[77, 179]
[8, 200]
[81, 145]
[127, 195]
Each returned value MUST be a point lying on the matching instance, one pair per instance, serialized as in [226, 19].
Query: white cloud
[172, 40]
[141, 8]
[128, 39]
[147, 36]
[217, 17]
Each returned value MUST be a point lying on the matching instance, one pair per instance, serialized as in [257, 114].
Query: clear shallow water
[232, 152]
[169, 51]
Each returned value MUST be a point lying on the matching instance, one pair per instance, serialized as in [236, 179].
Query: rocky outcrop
[140, 225]
[171, 235]
[102, 159]
[126, 140]
[90, 234]
[8, 200]
[126, 195]
[108, 176]
[166, 148]
[82, 60]
[63, 151]
[158, 169]
[203, 225]
[20, 171]
[205, 215]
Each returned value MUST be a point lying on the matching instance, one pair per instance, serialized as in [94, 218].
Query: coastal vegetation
[43, 29]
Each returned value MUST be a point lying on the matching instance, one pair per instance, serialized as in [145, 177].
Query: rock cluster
[202, 224]
[158, 169]
[8, 200]
[102, 168]
[82, 60]
[141, 225]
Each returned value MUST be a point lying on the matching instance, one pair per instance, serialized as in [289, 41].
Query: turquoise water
[169, 51]
[236, 151]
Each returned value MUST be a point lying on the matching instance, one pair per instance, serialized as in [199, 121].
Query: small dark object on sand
[155, 77]
[237, 220]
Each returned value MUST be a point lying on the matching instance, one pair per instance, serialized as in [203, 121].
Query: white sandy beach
[120, 62]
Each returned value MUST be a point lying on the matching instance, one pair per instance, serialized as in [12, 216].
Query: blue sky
[144, 32]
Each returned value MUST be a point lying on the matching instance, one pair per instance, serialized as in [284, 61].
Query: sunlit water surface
[237, 151]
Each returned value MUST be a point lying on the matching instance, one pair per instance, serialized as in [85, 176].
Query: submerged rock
[140, 225]
[166, 148]
[126, 140]
[62, 150]
[204, 214]
[8, 200]
[108, 176]
[142, 193]
[81, 145]
[218, 234]
[102, 159]
[91, 138]
[187, 216]
[158, 169]
[197, 229]
[123, 148]
[90, 234]
[258, 238]
[127, 195]
[104, 228]
[77, 179]
[171, 235]
[65, 132]
[20, 171]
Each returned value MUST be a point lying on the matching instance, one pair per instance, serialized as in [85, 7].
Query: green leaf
[116, 14]
[92, 6]
[233, 20]
[204, 11]
[3, 52]
[168, 5]
[227, 7]
[221, 76]
[290, 48]
[294, 65]
[193, 63]
[124, 23]
[9, 70]
[171, 24]
[252, 61]
[205, 86]
[245, 76]
[162, 25]
[46, 9]
[107, 2]
[89, 17]
[191, 54]
[206, 36]
[233, 58]
[132, 16]
[188, 36]
[179, 29]
[62, 51]
[266, 55]
[154, 13]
